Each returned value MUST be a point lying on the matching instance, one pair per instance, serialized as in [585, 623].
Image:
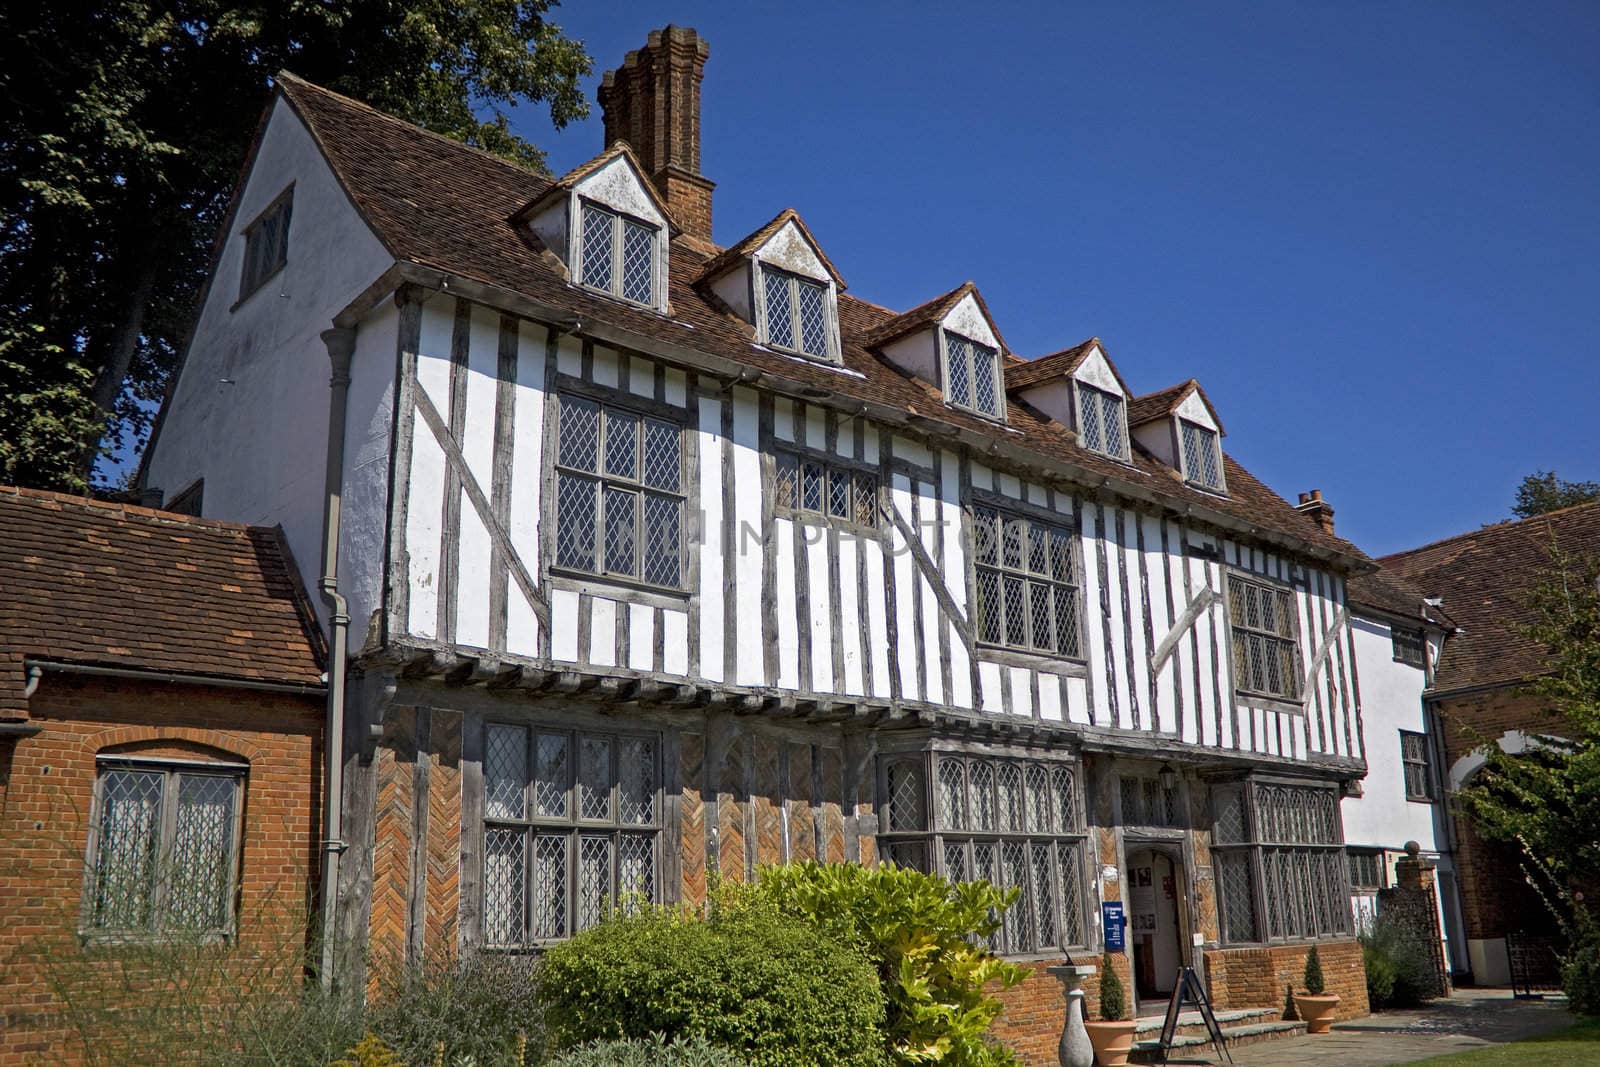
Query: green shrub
[925, 936]
[653, 1051]
[1580, 974]
[1398, 969]
[746, 978]
[482, 1008]
[1312, 979]
[1113, 999]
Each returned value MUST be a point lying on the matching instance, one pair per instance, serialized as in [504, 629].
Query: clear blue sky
[1371, 230]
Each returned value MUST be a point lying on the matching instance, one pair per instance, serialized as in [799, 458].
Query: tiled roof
[441, 204]
[1385, 591]
[1160, 404]
[1043, 368]
[926, 314]
[1482, 576]
[113, 585]
[729, 256]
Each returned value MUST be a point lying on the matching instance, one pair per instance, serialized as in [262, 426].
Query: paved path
[1471, 1019]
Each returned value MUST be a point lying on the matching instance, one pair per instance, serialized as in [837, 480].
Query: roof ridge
[294, 79]
[1504, 524]
[131, 510]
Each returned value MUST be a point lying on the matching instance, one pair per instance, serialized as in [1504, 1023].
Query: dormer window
[1101, 422]
[796, 313]
[1202, 459]
[618, 256]
[971, 375]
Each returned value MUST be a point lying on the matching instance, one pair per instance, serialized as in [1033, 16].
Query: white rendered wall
[369, 410]
[250, 411]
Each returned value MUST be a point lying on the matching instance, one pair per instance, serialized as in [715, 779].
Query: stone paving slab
[1473, 1018]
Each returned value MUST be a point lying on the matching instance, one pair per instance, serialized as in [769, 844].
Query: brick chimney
[652, 101]
[1312, 504]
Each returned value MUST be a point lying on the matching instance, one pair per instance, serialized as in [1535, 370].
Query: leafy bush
[1397, 967]
[1312, 979]
[1580, 973]
[745, 978]
[653, 1051]
[484, 1009]
[1113, 999]
[925, 936]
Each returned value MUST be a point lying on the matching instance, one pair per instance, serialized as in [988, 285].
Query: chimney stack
[1312, 504]
[652, 102]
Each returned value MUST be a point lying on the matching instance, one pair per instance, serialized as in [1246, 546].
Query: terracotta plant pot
[1112, 1042]
[1317, 1011]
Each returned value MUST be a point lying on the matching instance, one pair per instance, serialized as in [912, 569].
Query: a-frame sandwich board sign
[1188, 991]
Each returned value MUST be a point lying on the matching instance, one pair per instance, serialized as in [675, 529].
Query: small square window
[266, 245]
[1410, 646]
[618, 255]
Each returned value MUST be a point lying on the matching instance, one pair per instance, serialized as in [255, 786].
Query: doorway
[1153, 896]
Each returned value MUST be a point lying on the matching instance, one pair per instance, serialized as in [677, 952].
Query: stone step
[1187, 1046]
[1242, 1016]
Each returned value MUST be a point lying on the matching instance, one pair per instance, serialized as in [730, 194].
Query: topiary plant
[1113, 1001]
[1289, 1014]
[1312, 979]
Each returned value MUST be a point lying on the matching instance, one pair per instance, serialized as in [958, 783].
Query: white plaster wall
[1156, 438]
[733, 288]
[1054, 398]
[789, 250]
[551, 224]
[1194, 409]
[967, 319]
[917, 353]
[1097, 372]
[250, 411]
[364, 514]
[616, 184]
[1391, 701]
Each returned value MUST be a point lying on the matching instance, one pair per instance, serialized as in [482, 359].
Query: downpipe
[341, 345]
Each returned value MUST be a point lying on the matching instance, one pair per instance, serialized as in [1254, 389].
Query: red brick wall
[1259, 977]
[43, 835]
[1035, 1010]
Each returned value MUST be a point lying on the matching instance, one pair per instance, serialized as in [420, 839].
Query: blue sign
[1115, 924]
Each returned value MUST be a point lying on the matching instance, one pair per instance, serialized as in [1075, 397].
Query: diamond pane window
[1202, 459]
[617, 255]
[972, 375]
[796, 313]
[585, 841]
[1266, 658]
[266, 246]
[1279, 861]
[813, 318]
[1414, 759]
[1027, 583]
[164, 856]
[813, 489]
[1410, 646]
[624, 518]
[1100, 421]
[907, 797]
[780, 309]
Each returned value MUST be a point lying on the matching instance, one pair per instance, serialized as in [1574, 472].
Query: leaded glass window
[1409, 646]
[812, 488]
[1266, 656]
[266, 245]
[617, 255]
[1366, 867]
[1202, 457]
[1027, 583]
[1147, 802]
[1101, 422]
[165, 852]
[1280, 862]
[619, 493]
[796, 311]
[571, 829]
[972, 375]
[1014, 822]
[1414, 761]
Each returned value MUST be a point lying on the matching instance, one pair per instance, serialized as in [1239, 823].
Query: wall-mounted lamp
[1169, 777]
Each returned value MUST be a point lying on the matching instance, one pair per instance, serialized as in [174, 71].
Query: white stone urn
[1075, 1049]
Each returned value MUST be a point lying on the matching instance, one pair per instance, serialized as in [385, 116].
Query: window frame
[854, 474]
[997, 376]
[620, 220]
[606, 401]
[573, 826]
[1148, 788]
[935, 833]
[795, 281]
[1375, 855]
[172, 771]
[1084, 392]
[252, 278]
[1330, 888]
[1263, 583]
[1421, 764]
[1052, 523]
[1410, 650]
[1192, 477]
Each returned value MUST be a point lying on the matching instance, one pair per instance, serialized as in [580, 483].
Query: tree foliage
[1542, 492]
[127, 122]
[1545, 800]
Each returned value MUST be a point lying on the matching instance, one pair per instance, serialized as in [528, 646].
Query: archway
[1155, 891]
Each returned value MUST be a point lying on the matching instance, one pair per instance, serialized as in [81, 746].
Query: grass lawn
[1574, 1046]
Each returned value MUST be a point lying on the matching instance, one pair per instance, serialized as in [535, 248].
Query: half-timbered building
[644, 557]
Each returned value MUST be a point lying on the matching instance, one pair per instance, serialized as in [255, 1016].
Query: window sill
[111, 939]
[1040, 661]
[654, 309]
[611, 586]
[1269, 703]
[1210, 490]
